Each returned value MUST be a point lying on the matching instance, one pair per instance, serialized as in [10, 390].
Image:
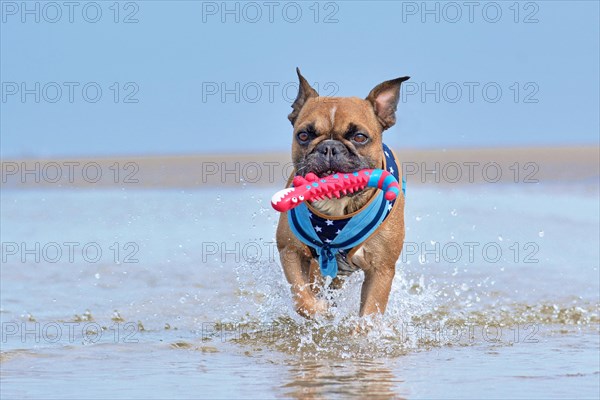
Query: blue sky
[490, 74]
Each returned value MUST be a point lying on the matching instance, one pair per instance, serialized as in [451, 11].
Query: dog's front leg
[376, 289]
[296, 267]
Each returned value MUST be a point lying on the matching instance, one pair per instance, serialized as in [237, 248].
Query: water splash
[420, 315]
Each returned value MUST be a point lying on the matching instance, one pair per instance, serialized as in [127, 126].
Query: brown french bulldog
[343, 134]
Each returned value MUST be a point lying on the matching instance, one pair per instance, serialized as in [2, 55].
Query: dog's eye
[303, 136]
[360, 138]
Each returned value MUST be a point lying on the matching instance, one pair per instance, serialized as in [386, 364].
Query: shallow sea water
[179, 294]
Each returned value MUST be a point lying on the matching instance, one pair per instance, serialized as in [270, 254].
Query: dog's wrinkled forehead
[335, 115]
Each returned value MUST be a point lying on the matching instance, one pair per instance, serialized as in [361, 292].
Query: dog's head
[341, 134]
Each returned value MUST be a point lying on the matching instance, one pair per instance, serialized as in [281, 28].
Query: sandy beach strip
[571, 164]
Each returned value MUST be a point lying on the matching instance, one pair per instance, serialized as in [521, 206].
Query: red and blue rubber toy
[313, 188]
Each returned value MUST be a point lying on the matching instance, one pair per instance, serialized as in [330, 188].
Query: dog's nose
[330, 148]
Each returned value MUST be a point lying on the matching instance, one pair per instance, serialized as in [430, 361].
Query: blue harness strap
[328, 237]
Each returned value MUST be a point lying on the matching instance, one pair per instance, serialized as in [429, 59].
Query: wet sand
[452, 166]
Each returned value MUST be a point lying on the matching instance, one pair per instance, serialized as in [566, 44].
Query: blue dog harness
[329, 236]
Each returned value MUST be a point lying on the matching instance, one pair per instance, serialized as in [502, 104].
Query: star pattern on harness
[327, 229]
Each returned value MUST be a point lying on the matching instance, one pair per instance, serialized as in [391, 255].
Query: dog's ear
[305, 92]
[384, 99]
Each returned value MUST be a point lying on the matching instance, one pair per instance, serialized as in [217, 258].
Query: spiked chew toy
[313, 188]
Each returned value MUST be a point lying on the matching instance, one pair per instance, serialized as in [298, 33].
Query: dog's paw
[364, 327]
[360, 330]
[310, 308]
